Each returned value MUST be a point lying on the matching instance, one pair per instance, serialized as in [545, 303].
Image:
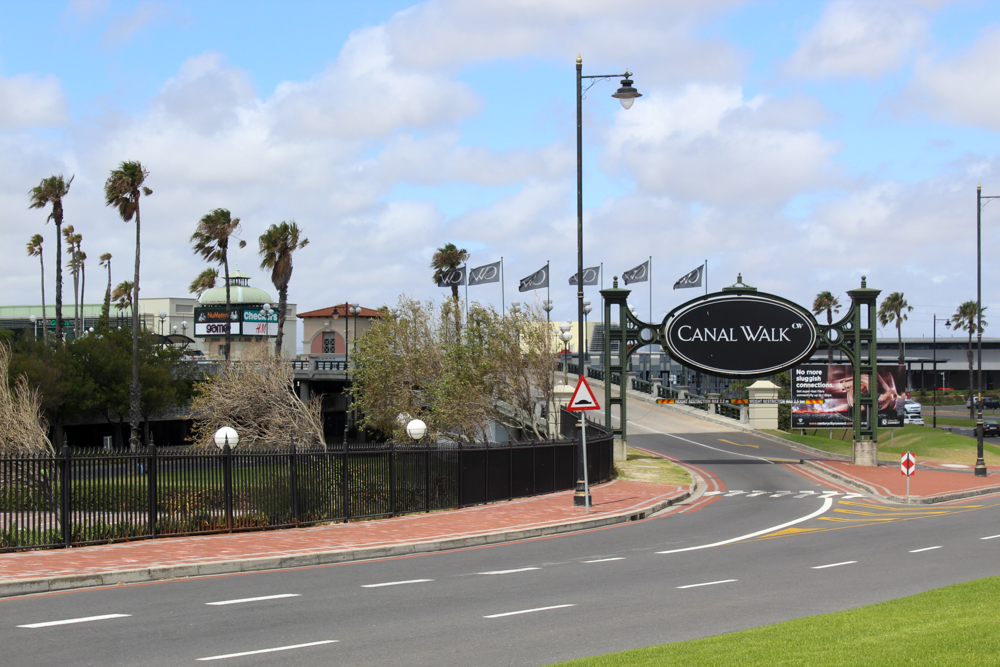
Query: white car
[912, 407]
[913, 418]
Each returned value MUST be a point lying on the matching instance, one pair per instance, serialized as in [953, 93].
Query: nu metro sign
[740, 335]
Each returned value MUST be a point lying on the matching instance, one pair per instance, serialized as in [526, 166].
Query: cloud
[964, 90]
[84, 10]
[125, 26]
[859, 38]
[709, 144]
[30, 101]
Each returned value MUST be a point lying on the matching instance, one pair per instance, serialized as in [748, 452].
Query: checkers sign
[907, 464]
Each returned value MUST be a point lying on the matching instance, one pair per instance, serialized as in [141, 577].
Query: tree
[276, 247]
[205, 281]
[75, 265]
[35, 250]
[966, 318]
[826, 301]
[445, 260]
[23, 429]
[211, 241]
[257, 398]
[51, 191]
[122, 190]
[122, 296]
[106, 308]
[497, 372]
[894, 309]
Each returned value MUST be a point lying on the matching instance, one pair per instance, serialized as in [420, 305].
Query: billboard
[212, 321]
[833, 384]
[259, 323]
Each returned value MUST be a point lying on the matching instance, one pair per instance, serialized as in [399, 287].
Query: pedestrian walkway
[927, 485]
[148, 560]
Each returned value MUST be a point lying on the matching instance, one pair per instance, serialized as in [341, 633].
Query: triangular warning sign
[583, 398]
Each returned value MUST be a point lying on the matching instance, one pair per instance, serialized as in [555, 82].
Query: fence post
[427, 478]
[392, 478]
[64, 493]
[344, 479]
[294, 474]
[461, 473]
[227, 483]
[151, 493]
[510, 470]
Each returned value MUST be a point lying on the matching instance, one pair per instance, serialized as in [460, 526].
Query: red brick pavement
[888, 481]
[615, 498]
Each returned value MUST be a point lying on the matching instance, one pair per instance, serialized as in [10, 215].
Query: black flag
[590, 276]
[488, 273]
[536, 280]
[692, 279]
[639, 274]
[449, 278]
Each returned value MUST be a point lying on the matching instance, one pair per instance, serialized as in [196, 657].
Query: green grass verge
[925, 442]
[643, 467]
[955, 625]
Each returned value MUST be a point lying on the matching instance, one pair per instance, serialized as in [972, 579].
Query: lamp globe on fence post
[416, 429]
[226, 435]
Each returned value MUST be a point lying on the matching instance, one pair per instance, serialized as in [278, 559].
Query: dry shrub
[23, 429]
[256, 396]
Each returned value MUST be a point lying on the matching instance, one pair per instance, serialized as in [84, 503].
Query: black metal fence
[79, 498]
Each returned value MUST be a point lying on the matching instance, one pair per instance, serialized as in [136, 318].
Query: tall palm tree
[106, 309]
[966, 318]
[122, 296]
[51, 191]
[211, 241]
[122, 190]
[82, 259]
[73, 241]
[35, 250]
[205, 281]
[276, 247]
[894, 309]
[445, 260]
[831, 304]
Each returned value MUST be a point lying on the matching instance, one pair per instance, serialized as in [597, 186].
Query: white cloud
[859, 38]
[126, 26]
[30, 101]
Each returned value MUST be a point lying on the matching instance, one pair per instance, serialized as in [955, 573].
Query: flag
[590, 276]
[454, 277]
[692, 279]
[536, 280]
[639, 274]
[488, 273]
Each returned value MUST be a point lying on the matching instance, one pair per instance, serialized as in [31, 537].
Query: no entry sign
[907, 463]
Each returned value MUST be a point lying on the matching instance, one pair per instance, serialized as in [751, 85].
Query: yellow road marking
[738, 444]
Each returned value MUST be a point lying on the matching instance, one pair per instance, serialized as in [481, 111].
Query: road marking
[827, 504]
[730, 494]
[714, 493]
[803, 494]
[991, 537]
[823, 567]
[755, 493]
[709, 583]
[396, 583]
[266, 597]
[69, 621]
[778, 494]
[529, 611]
[269, 650]
[830, 494]
[738, 444]
[605, 560]
[521, 569]
[916, 551]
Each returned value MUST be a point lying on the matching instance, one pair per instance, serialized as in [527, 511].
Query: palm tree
[73, 242]
[831, 304]
[106, 309]
[445, 260]
[82, 258]
[206, 280]
[122, 190]
[894, 309]
[122, 296]
[35, 250]
[966, 318]
[276, 247]
[52, 190]
[211, 241]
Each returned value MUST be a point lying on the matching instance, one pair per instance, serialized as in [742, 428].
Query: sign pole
[586, 478]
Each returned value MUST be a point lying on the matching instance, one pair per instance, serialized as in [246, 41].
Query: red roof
[341, 311]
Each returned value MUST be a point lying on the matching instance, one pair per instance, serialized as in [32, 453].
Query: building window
[329, 343]
[182, 309]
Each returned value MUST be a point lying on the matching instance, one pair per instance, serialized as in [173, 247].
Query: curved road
[763, 543]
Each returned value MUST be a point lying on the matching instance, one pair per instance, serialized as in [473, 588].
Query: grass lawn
[925, 442]
[643, 467]
[955, 625]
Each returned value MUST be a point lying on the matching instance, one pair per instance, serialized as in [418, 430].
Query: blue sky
[802, 144]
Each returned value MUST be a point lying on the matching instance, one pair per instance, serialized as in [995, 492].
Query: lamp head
[627, 94]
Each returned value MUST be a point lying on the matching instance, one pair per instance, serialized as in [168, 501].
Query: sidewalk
[618, 501]
[927, 485]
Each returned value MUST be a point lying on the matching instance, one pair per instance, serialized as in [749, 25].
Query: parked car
[913, 418]
[989, 403]
[912, 407]
[990, 428]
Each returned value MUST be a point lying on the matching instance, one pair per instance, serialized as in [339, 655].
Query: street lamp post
[565, 335]
[626, 94]
[163, 318]
[586, 311]
[547, 307]
[980, 461]
[267, 321]
[947, 323]
[34, 326]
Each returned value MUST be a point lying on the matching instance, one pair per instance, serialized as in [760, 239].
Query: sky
[801, 145]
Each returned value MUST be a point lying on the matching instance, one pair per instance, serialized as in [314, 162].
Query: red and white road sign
[907, 463]
[583, 398]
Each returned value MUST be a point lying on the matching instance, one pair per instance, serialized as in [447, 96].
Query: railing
[78, 498]
[642, 386]
[319, 365]
[731, 411]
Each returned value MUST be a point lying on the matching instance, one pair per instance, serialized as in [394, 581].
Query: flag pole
[706, 276]
[649, 368]
[503, 302]
[466, 291]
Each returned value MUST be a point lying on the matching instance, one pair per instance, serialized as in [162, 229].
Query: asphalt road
[805, 549]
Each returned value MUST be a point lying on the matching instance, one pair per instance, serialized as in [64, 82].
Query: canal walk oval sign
[739, 334]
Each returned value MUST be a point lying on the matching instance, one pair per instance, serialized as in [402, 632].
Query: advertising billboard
[829, 390]
[259, 323]
[212, 322]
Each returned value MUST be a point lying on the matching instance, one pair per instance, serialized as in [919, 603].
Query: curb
[118, 577]
[929, 500]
